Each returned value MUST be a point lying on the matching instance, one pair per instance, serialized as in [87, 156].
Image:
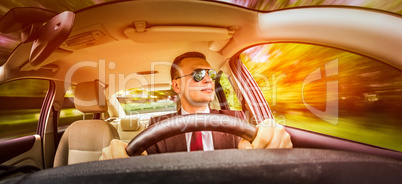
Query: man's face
[193, 92]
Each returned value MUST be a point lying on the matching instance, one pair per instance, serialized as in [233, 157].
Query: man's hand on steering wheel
[116, 149]
[269, 135]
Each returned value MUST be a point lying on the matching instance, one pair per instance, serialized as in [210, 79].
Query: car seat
[130, 127]
[84, 140]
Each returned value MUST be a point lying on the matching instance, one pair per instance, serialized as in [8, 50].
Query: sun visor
[177, 34]
[56, 55]
[52, 34]
[17, 19]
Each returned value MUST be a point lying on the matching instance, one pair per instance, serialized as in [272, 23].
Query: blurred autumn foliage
[367, 92]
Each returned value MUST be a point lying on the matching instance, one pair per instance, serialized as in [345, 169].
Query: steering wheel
[190, 123]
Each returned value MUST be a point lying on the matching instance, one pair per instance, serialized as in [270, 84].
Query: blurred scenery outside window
[20, 107]
[230, 94]
[330, 91]
[141, 101]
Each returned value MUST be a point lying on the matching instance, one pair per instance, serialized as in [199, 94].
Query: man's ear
[176, 86]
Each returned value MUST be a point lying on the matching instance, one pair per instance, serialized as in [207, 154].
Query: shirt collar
[184, 112]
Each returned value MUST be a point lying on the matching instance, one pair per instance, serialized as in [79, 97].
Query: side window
[330, 91]
[230, 94]
[21, 103]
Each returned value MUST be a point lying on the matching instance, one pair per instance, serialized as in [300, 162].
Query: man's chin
[201, 102]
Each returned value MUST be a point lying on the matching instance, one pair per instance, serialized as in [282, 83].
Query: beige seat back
[130, 127]
[84, 140]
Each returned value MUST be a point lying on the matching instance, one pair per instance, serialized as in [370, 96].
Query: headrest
[129, 124]
[90, 98]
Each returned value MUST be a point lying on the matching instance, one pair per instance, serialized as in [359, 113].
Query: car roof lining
[377, 35]
[130, 57]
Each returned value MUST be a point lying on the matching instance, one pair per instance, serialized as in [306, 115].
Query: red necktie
[196, 142]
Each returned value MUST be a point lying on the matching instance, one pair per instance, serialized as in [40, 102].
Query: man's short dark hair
[174, 73]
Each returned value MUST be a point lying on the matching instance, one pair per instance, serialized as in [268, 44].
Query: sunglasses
[199, 74]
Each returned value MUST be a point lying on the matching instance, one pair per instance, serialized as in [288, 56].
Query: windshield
[10, 41]
[330, 91]
[270, 5]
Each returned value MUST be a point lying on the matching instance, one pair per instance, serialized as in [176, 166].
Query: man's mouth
[207, 90]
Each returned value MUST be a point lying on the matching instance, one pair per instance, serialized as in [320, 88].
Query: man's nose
[207, 79]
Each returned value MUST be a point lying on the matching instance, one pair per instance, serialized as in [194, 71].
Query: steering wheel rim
[190, 123]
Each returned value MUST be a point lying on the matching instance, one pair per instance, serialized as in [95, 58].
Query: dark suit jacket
[178, 143]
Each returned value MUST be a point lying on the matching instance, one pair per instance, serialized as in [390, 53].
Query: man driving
[192, 79]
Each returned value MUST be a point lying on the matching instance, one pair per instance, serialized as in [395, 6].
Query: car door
[24, 110]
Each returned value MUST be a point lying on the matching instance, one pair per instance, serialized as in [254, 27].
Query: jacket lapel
[175, 143]
[225, 140]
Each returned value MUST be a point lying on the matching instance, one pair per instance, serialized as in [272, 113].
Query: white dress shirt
[207, 141]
